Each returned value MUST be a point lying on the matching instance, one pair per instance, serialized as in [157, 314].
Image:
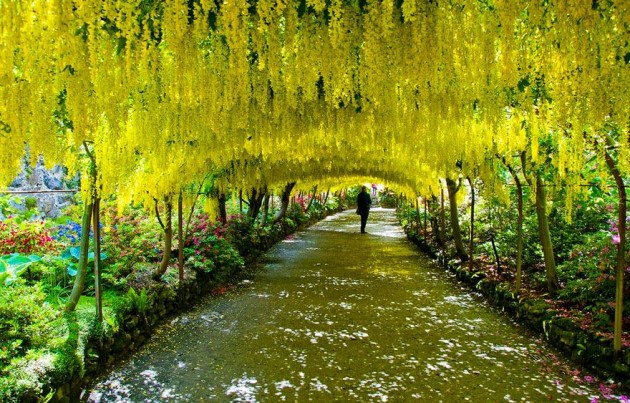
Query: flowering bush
[27, 237]
[129, 239]
[69, 233]
[207, 249]
[242, 234]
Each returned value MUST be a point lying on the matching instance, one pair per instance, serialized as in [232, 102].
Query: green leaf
[18, 259]
[75, 251]
[3, 267]
[72, 269]
[66, 254]
[34, 258]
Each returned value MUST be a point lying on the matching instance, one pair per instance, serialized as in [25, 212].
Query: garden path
[334, 315]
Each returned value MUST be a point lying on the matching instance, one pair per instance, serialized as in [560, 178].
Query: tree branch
[157, 214]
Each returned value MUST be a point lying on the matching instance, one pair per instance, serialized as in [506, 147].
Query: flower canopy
[270, 91]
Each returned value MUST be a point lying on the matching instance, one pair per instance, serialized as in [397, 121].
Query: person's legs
[364, 218]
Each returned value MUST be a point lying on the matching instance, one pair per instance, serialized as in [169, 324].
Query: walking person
[363, 207]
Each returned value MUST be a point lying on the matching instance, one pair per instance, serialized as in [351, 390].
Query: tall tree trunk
[519, 228]
[285, 199]
[310, 202]
[180, 236]
[545, 236]
[471, 244]
[543, 229]
[326, 197]
[442, 225]
[98, 292]
[79, 280]
[453, 188]
[265, 210]
[417, 216]
[496, 253]
[168, 237]
[222, 209]
[425, 220]
[255, 202]
[621, 253]
[240, 200]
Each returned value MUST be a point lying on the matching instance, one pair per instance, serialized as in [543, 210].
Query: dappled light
[319, 322]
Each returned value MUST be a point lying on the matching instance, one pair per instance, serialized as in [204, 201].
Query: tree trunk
[442, 225]
[425, 220]
[98, 292]
[453, 188]
[545, 236]
[180, 236]
[543, 229]
[285, 199]
[255, 202]
[310, 202]
[417, 216]
[471, 244]
[621, 253]
[79, 280]
[435, 224]
[496, 254]
[326, 198]
[265, 210]
[168, 238]
[222, 209]
[519, 228]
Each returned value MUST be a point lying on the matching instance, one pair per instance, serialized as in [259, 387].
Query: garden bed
[65, 350]
[543, 315]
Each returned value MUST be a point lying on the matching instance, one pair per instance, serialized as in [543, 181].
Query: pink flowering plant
[207, 250]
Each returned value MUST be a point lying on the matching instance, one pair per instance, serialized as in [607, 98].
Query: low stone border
[581, 346]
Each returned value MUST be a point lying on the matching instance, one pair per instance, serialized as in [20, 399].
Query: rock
[53, 183]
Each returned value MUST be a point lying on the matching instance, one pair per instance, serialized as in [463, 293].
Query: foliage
[10, 207]
[296, 213]
[387, 198]
[24, 320]
[241, 234]
[589, 273]
[140, 302]
[27, 237]
[14, 265]
[209, 248]
[132, 238]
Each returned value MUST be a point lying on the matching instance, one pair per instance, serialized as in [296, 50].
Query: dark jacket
[363, 202]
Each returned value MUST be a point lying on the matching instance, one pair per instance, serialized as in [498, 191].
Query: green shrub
[25, 318]
[130, 239]
[387, 198]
